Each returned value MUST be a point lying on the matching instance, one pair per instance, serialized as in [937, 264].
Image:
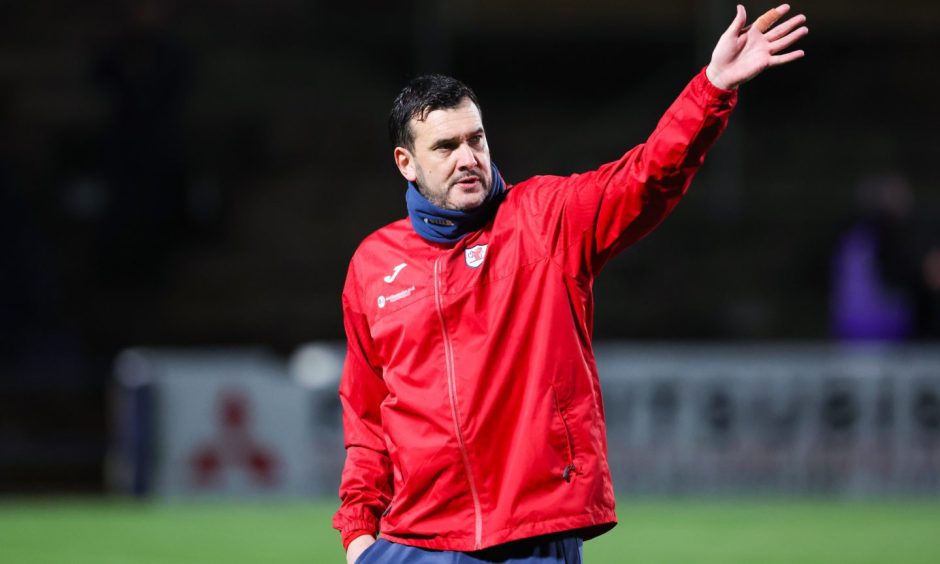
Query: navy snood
[440, 225]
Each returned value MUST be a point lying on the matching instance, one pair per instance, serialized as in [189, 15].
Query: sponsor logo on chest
[384, 300]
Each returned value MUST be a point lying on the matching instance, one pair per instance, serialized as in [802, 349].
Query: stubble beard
[440, 199]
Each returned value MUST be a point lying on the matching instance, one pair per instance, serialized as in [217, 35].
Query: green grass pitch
[766, 531]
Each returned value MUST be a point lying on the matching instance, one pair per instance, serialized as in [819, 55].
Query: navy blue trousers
[540, 550]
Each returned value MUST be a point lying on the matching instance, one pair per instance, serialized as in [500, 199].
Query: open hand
[743, 53]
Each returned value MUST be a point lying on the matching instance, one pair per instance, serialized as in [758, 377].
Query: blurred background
[186, 181]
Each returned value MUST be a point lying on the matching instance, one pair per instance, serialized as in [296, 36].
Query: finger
[785, 28]
[778, 60]
[767, 20]
[737, 25]
[785, 42]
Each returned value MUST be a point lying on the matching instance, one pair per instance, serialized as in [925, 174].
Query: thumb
[737, 26]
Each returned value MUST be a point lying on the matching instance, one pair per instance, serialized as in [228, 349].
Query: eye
[476, 140]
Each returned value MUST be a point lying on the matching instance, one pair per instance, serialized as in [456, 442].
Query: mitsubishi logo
[233, 446]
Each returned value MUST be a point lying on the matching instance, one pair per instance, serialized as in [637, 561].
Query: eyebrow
[453, 140]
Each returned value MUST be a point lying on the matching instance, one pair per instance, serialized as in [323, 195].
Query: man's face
[450, 161]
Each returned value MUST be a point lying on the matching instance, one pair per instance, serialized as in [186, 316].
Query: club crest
[475, 255]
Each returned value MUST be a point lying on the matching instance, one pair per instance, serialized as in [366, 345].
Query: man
[471, 403]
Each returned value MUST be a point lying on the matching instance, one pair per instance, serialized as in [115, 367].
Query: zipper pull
[567, 473]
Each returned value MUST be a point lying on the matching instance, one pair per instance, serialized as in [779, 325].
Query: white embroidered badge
[475, 255]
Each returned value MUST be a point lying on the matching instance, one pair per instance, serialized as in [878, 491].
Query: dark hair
[420, 97]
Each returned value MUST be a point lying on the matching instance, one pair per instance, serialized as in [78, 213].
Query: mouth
[468, 182]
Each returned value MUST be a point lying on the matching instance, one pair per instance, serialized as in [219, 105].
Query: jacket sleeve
[588, 218]
[366, 483]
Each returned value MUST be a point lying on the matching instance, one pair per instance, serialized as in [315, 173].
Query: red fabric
[471, 402]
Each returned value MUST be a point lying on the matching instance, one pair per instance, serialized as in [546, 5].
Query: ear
[406, 163]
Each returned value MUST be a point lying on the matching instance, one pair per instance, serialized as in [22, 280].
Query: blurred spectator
[146, 73]
[874, 277]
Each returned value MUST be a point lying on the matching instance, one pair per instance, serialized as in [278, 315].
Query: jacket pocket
[565, 431]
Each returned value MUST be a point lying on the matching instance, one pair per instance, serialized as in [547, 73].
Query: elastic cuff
[353, 535]
[714, 91]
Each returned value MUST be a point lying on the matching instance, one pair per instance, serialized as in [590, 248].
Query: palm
[741, 53]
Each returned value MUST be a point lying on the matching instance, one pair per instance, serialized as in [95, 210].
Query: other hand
[743, 53]
[357, 547]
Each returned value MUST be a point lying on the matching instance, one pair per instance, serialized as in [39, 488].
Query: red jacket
[471, 403]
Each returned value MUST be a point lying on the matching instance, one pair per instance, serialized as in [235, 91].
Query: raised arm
[587, 218]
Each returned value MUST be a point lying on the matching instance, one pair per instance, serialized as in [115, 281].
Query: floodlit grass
[108, 532]
[771, 531]
[157, 533]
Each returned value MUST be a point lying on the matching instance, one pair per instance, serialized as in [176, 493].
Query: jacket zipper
[452, 391]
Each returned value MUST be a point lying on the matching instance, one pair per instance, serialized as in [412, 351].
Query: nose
[466, 157]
